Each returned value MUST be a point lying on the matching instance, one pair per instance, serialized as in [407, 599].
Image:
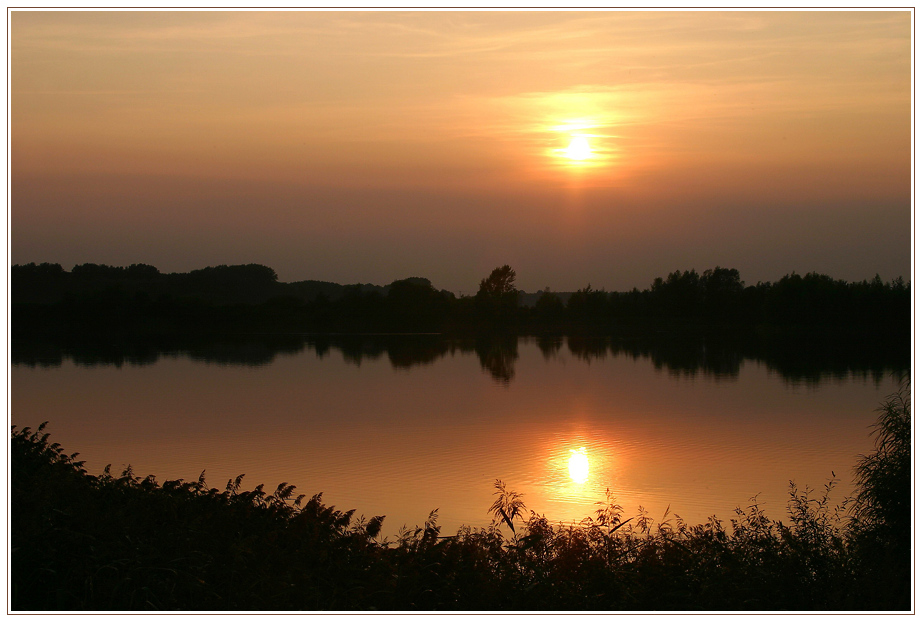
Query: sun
[580, 145]
[578, 149]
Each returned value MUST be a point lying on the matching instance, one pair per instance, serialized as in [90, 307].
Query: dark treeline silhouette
[719, 356]
[97, 299]
[139, 299]
[719, 297]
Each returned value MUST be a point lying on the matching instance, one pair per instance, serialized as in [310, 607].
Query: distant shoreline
[138, 300]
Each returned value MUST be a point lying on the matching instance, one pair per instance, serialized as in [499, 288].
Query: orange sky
[371, 146]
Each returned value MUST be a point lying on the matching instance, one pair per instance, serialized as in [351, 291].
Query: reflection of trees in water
[249, 351]
[805, 358]
[403, 351]
[812, 361]
[686, 357]
[678, 356]
[407, 353]
[497, 355]
[357, 349]
[549, 345]
[252, 352]
[588, 348]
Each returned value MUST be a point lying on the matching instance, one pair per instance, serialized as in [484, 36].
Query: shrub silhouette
[881, 527]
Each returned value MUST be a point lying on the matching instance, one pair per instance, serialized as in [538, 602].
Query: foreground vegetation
[121, 542]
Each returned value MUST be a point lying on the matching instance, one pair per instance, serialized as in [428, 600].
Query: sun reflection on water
[579, 465]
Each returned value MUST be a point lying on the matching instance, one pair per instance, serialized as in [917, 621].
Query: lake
[402, 425]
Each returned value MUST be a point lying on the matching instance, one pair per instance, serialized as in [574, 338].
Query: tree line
[140, 298]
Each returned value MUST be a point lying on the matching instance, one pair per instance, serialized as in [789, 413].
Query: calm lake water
[403, 425]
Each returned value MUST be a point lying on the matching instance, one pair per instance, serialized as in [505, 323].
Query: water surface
[403, 425]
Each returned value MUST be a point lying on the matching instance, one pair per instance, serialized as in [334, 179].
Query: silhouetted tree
[882, 507]
[500, 283]
[807, 300]
[589, 306]
[679, 295]
[885, 477]
[33, 270]
[722, 293]
[633, 304]
[414, 304]
[549, 308]
[497, 297]
[37, 283]
[141, 271]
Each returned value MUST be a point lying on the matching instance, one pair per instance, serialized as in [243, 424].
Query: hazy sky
[372, 146]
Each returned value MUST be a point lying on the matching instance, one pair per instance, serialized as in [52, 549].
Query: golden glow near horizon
[401, 98]
[651, 137]
[579, 465]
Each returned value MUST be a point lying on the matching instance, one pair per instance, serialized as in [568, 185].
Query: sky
[581, 148]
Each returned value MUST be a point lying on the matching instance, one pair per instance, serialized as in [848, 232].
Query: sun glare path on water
[579, 465]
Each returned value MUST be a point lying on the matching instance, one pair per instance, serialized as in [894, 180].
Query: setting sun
[579, 149]
[579, 465]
